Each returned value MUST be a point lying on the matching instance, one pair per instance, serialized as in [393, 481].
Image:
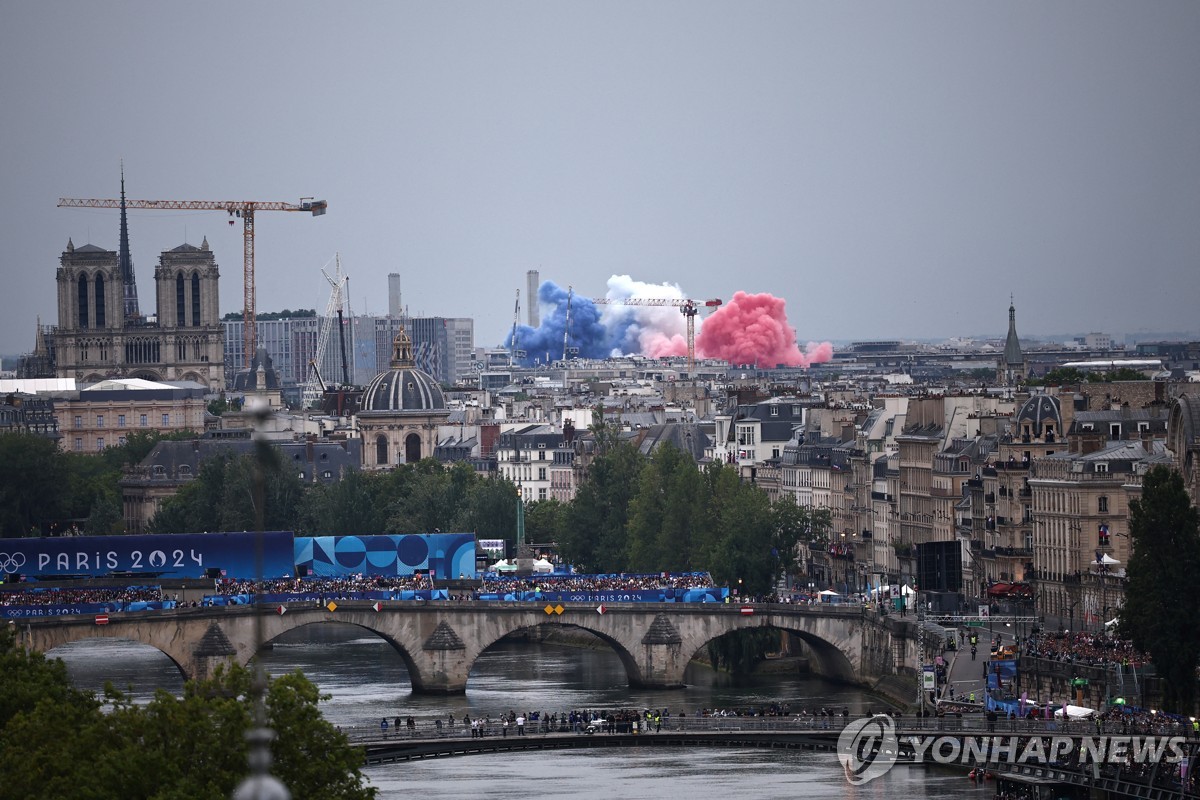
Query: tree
[664, 515]
[594, 536]
[56, 742]
[221, 497]
[543, 521]
[349, 506]
[1161, 602]
[32, 474]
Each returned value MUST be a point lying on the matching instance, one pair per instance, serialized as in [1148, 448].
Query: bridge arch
[378, 632]
[827, 658]
[154, 663]
[628, 660]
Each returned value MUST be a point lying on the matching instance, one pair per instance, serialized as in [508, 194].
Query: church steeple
[1012, 363]
[125, 260]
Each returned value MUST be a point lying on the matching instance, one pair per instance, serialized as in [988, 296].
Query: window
[1101, 467]
[121, 441]
[1102, 503]
[541, 473]
[78, 445]
[78, 421]
[166, 419]
[774, 411]
[120, 420]
[185, 469]
[142, 422]
[541, 494]
[327, 474]
[99, 420]
[100, 443]
[1103, 536]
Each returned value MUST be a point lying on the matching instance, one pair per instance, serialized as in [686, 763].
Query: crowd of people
[596, 583]
[28, 596]
[1089, 649]
[332, 588]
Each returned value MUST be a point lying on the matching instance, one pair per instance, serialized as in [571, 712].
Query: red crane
[235, 208]
[689, 309]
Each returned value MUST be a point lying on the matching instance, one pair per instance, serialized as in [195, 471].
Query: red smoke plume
[753, 329]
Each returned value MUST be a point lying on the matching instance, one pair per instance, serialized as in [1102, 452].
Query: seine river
[366, 680]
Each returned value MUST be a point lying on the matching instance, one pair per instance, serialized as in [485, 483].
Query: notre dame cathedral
[101, 332]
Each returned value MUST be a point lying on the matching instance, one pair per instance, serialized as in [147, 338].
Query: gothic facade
[96, 338]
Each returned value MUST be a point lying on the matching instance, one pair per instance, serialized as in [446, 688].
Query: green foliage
[32, 475]
[55, 742]
[606, 432]
[221, 497]
[222, 404]
[544, 521]
[666, 515]
[351, 506]
[1124, 374]
[1062, 376]
[594, 536]
[1161, 604]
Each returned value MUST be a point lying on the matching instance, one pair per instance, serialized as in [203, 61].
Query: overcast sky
[890, 169]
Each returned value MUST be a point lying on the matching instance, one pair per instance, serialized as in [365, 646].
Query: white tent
[829, 593]
[907, 590]
[542, 565]
[503, 566]
[1106, 560]
[1075, 712]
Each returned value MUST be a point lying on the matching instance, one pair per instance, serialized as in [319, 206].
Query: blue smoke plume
[592, 336]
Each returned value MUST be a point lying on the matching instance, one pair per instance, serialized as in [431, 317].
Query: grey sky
[892, 170]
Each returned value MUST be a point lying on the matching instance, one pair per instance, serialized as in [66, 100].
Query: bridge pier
[662, 660]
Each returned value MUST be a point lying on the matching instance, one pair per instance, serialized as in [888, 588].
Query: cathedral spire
[126, 260]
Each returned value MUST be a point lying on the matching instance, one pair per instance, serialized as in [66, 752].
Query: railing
[960, 723]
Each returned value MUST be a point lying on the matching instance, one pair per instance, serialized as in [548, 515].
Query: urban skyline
[885, 170]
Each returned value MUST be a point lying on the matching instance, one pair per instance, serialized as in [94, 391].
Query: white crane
[314, 387]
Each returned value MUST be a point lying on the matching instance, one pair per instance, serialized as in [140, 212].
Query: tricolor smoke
[748, 329]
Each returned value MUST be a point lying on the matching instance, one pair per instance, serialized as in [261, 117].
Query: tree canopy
[1160, 600]
[58, 742]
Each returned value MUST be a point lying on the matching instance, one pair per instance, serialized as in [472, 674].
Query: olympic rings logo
[11, 562]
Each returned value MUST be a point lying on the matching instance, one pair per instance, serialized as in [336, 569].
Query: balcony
[990, 497]
[1015, 552]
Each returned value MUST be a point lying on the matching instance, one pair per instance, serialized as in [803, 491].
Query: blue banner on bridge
[174, 555]
[273, 598]
[447, 555]
[708, 595]
[18, 612]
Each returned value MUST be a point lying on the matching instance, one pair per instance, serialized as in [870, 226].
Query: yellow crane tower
[689, 309]
[235, 208]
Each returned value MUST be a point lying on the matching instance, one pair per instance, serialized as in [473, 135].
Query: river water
[366, 680]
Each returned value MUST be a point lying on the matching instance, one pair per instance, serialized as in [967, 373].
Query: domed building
[401, 411]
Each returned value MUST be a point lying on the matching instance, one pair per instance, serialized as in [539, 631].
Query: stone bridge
[440, 641]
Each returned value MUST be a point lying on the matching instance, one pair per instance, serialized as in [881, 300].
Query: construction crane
[314, 387]
[514, 354]
[235, 208]
[689, 309]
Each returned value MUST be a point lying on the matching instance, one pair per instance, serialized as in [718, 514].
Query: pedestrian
[504, 727]
[383, 726]
[521, 725]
